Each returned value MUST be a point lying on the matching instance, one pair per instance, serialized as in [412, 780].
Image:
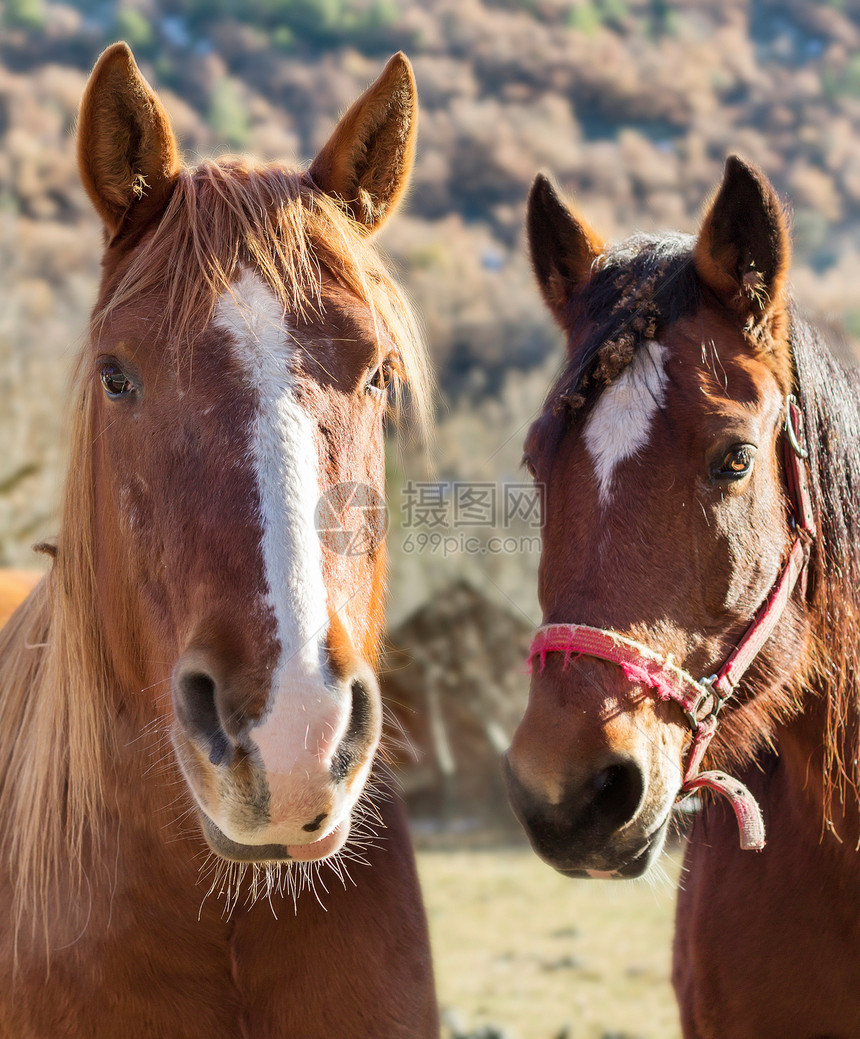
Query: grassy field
[523, 953]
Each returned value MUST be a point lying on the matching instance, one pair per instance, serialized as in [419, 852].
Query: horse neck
[800, 814]
[818, 746]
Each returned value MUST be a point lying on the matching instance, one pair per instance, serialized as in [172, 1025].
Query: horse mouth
[233, 851]
[631, 866]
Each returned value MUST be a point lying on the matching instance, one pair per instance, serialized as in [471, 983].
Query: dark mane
[639, 287]
[830, 399]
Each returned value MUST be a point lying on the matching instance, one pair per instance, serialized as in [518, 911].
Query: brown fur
[105, 927]
[765, 944]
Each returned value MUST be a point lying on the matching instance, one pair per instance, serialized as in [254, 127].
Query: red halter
[702, 699]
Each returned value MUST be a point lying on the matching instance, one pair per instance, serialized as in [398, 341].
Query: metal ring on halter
[692, 715]
[790, 431]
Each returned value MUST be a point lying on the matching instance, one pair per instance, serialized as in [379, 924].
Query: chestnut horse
[682, 524]
[15, 585]
[188, 707]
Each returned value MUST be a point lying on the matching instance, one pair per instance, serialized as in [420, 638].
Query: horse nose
[212, 715]
[612, 795]
[590, 810]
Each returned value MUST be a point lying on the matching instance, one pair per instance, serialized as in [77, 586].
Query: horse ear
[367, 160]
[743, 249]
[127, 154]
[563, 247]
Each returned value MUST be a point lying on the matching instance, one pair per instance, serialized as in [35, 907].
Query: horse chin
[233, 851]
[607, 867]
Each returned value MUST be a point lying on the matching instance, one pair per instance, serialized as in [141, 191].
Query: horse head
[666, 524]
[245, 348]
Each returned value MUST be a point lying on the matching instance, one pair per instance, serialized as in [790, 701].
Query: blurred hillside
[633, 104]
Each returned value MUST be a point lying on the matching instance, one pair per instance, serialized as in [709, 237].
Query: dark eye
[530, 467]
[115, 380]
[737, 463]
[377, 384]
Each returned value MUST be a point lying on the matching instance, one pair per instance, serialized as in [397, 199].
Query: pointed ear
[367, 160]
[563, 247]
[127, 154]
[743, 250]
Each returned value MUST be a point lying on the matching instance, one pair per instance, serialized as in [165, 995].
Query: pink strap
[639, 662]
[796, 472]
[762, 625]
[701, 740]
[747, 811]
[745, 806]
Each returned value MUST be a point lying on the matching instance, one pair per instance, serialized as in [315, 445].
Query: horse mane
[55, 680]
[830, 400]
[639, 288]
[54, 687]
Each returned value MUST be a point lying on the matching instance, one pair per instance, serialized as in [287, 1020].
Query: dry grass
[536, 956]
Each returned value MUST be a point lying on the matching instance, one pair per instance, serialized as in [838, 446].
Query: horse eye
[377, 384]
[115, 381]
[530, 467]
[737, 463]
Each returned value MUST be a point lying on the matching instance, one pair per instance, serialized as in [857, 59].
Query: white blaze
[621, 421]
[305, 719]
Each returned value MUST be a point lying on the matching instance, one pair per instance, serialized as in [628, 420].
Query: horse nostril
[196, 707]
[617, 791]
[359, 732]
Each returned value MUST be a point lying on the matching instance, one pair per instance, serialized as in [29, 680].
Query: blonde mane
[55, 677]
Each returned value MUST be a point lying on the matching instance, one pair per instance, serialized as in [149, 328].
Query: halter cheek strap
[702, 699]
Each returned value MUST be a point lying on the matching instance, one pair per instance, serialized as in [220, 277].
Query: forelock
[639, 287]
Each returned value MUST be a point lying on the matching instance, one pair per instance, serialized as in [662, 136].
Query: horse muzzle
[279, 783]
[593, 829]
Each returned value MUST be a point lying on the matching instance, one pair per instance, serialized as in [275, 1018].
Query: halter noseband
[702, 699]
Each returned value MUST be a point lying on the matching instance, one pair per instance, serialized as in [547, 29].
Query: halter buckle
[708, 693]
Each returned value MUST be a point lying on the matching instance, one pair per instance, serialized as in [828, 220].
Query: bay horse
[188, 706]
[700, 583]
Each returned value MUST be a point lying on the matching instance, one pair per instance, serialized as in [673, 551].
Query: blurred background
[633, 106]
